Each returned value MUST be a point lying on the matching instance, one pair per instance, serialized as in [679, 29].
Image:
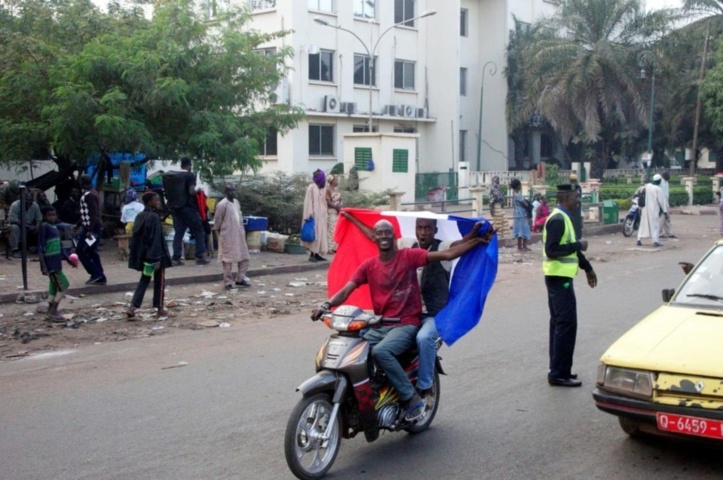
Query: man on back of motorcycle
[395, 294]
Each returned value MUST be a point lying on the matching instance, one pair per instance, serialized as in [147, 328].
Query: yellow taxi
[665, 375]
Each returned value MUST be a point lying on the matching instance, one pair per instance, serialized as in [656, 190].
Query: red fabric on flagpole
[353, 248]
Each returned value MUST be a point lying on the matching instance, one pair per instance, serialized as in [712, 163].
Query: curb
[508, 242]
[211, 277]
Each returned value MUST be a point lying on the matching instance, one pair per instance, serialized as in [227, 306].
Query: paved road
[117, 411]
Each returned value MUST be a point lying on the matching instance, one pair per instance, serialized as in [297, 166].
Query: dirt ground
[100, 318]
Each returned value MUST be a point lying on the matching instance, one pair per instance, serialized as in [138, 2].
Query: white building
[426, 77]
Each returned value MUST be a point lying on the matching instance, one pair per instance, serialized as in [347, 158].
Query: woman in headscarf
[315, 207]
[131, 208]
[333, 203]
[497, 203]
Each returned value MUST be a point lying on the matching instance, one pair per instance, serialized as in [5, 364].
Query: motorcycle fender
[324, 381]
[438, 362]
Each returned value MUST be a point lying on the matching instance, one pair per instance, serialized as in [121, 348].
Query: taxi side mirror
[668, 294]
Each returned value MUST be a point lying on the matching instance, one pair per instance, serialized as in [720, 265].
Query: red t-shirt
[393, 285]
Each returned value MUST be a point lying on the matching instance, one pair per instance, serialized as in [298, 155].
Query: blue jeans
[88, 255]
[389, 342]
[427, 346]
[188, 217]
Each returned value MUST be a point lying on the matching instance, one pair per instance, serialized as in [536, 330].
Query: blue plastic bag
[308, 231]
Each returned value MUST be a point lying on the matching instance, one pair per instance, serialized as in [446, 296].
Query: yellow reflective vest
[568, 265]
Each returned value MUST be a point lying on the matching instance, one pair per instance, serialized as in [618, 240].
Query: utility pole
[698, 102]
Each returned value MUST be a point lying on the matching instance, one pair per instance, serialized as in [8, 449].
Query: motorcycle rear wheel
[429, 415]
[308, 457]
[628, 227]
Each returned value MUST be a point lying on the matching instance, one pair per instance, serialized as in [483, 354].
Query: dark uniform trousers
[563, 324]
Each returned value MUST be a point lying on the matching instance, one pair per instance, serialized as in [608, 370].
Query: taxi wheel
[630, 426]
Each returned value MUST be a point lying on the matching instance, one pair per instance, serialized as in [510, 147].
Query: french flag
[472, 275]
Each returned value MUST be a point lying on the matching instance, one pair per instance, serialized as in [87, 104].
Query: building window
[404, 75]
[463, 145]
[364, 128]
[321, 66]
[403, 12]
[261, 4]
[362, 158]
[463, 81]
[400, 161]
[404, 129]
[464, 22]
[321, 140]
[545, 146]
[361, 70]
[365, 8]
[322, 5]
[266, 51]
[270, 146]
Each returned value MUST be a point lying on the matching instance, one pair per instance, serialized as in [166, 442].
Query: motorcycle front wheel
[628, 227]
[308, 456]
[429, 414]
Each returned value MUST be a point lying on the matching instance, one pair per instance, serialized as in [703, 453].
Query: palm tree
[582, 74]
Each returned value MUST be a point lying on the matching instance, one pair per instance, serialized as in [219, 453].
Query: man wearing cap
[576, 215]
[562, 258]
[655, 206]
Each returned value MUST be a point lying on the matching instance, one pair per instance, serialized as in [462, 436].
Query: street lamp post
[493, 70]
[646, 56]
[372, 51]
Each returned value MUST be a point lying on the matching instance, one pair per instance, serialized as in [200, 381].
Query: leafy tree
[75, 80]
[582, 76]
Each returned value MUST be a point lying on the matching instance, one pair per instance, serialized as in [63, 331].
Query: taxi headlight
[626, 381]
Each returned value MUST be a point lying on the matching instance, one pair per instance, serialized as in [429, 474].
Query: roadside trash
[297, 284]
[289, 294]
[180, 364]
[68, 316]
[261, 292]
[99, 320]
[28, 314]
[157, 327]
[224, 324]
[206, 294]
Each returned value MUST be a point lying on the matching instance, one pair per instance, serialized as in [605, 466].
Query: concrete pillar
[525, 187]
[689, 182]
[477, 195]
[395, 201]
[716, 185]
[541, 189]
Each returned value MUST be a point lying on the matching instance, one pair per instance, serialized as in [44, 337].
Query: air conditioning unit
[408, 111]
[348, 107]
[331, 104]
[422, 113]
[391, 110]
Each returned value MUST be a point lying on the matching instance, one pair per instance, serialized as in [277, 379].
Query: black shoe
[202, 261]
[229, 287]
[100, 281]
[243, 283]
[319, 258]
[177, 262]
[313, 259]
[573, 376]
[564, 382]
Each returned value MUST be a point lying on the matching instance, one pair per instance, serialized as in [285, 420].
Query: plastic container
[253, 240]
[276, 243]
[255, 224]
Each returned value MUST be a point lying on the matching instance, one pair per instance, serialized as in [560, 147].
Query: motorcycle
[349, 395]
[632, 219]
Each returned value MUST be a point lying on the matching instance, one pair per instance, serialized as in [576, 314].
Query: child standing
[51, 262]
[149, 255]
[521, 225]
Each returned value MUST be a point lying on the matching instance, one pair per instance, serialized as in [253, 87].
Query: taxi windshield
[704, 285]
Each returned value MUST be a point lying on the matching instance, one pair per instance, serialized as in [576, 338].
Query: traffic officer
[562, 257]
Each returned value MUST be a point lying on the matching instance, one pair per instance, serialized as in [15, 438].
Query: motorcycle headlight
[623, 380]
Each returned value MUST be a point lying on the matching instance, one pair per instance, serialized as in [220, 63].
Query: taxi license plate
[701, 427]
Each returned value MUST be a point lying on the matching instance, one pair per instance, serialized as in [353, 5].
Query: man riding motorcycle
[395, 293]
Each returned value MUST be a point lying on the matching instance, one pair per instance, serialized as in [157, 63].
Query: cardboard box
[276, 243]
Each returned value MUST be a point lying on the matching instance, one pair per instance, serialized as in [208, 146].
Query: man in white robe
[232, 247]
[666, 227]
[315, 206]
[650, 215]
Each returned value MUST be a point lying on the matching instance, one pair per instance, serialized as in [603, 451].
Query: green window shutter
[400, 161]
[362, 155]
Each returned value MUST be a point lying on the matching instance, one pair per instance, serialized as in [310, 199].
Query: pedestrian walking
[521, 222]
[89, 231]
[181, 198]
[51, 263]
[667, 226]
[232, 248]
[562, 259]
[149, 255]
[497, 208]
[333, 203]
[576, 215]
[654, 207]
[315, 207]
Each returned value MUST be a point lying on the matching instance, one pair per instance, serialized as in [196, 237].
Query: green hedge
[702, 194]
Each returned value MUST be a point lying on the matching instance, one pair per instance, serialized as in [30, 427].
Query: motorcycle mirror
[668, 294]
